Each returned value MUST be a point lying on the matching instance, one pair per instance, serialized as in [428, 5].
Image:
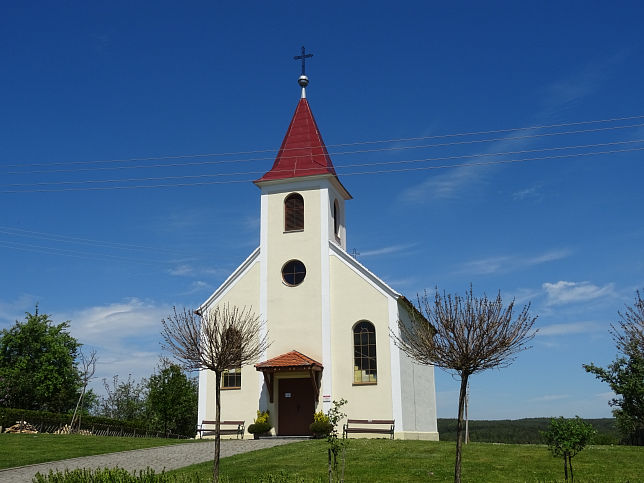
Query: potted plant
[261, 425]
[321, 425]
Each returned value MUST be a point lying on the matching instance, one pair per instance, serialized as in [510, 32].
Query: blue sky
[89, 90]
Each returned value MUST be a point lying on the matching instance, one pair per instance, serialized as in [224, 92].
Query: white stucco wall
[418, 396]
[354, 300]
[236, 404]
[294, 313]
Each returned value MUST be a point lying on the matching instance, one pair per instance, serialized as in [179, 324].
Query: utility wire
[356, 173]
[14, 231]
[76, 253]
[337, 167]
[439, 136]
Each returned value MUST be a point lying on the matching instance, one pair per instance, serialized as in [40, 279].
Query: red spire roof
[303, 152]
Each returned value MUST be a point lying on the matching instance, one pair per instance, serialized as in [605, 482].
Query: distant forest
[522, 431]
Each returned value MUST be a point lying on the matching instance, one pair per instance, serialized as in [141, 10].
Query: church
[328, 318]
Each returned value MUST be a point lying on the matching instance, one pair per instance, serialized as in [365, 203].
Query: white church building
[327, 316]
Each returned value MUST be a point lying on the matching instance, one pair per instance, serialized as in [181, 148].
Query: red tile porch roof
[290, 360]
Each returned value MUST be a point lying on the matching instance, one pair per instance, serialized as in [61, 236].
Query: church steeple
[303, 152]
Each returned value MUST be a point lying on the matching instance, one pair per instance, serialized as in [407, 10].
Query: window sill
[230, 388]
[293, 231]
[365, 383]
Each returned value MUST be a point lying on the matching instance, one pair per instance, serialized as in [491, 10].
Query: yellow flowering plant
[321, 425]
[262, 423]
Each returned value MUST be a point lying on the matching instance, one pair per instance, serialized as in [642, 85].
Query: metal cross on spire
[304, 56]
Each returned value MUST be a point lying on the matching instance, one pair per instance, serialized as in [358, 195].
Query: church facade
[328, 317]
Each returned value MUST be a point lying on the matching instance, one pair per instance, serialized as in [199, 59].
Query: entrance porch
[296, 378]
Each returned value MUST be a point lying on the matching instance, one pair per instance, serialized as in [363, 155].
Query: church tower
[302, 210]
[328, 317]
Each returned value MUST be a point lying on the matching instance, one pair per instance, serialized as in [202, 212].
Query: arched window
[294, 212]
[231, 341]
[365, 369]
[336, 218]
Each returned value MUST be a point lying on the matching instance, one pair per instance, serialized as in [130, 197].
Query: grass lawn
[27, 449]
[405, 461]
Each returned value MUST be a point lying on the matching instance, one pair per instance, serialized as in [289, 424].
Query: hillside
[521, 431]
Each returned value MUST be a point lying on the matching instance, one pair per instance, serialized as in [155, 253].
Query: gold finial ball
[303, 81]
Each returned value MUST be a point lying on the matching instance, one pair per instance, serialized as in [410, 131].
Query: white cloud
[198, 286]
[606, 396]
[400, 282]
[550, 397]
[582, 83]
[116, 321]
[387, 250]
[463, 179]
[533, 193]
[563, 292]
[126, 336]
[185, 270]
[446, 185]
[15, 309]
[570, 328]
[523, 295]
[509, 263]
[250, 223]
[181, 270]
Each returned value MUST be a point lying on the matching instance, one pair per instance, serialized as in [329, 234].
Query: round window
[293, 273]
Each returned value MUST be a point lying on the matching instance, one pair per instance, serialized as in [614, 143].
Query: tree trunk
[80, 398]
[565, 467]
[572, 477]
[459, 428]
[215, 470]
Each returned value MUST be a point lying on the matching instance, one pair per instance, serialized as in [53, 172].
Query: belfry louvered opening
[294, 212]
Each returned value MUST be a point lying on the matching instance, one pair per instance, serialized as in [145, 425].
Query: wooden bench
[238, 430]
[348, 428]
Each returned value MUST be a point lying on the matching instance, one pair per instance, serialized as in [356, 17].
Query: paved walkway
[159, 458]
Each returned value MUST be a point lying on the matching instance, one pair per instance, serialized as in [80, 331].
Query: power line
[357, 173]
[438, 136]
[76, 253]
[14, 231]
[338, 167]
[397, 148]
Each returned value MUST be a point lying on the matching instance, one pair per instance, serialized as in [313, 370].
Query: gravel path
[160, 458]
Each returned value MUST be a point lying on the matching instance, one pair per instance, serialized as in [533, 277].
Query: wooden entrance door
[295, 406]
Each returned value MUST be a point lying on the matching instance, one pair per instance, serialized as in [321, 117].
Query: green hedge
[48, 422]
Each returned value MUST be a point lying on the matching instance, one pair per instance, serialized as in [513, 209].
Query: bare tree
[629, 333]
[464, 335]
[220, 339]
[86, 373]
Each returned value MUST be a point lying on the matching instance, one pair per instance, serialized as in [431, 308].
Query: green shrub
[107, 475]
[259, 428]
[566, 438]
[321, 426]
[49, 422]
[262, 423]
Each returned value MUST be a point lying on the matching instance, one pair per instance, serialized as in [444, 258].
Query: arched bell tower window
[294, 212]
[336, 218]
[365, 369]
